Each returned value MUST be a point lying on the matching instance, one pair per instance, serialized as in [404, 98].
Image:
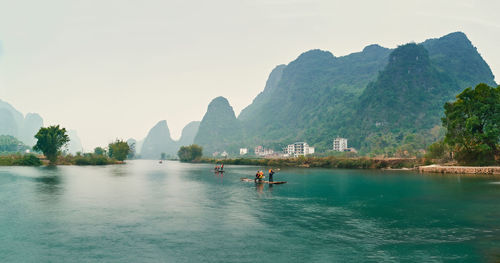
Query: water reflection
[120, 171]
[259, 187]
[50, 183]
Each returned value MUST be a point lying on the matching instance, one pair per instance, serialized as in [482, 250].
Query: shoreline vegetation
[39, 160]
[51, 142]
[324, 162]
[421, 165]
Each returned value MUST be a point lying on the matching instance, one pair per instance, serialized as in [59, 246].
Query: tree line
[472, 124]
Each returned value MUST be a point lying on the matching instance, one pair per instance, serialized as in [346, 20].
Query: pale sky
[112, 69]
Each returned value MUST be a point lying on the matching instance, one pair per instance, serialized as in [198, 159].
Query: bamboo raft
[261, 182]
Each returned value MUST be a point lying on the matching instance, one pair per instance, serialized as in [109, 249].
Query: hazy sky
[112, 69]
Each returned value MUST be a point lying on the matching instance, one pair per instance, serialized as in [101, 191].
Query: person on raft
[259, 176]
[271, 173]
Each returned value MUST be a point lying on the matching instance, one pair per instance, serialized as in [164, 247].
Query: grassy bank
[20, 160]
[86, 159]
[323, 162]
[37, 160]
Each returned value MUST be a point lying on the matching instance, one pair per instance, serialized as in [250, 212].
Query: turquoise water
[172, 212]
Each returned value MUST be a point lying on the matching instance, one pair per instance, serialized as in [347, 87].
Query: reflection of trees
[119, 170]
[50, 182]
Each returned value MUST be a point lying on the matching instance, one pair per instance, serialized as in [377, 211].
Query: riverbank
[494, 170]
[38, 160]
[324, 162]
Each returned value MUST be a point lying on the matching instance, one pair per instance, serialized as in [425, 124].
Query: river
[144, 211]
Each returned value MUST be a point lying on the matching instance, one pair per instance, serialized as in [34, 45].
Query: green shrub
[27, 160]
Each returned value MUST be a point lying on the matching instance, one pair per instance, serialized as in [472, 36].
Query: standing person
[271, 173]
[257, 175]
[222, 167]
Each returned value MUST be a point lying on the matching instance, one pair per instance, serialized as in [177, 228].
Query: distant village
[292, 150]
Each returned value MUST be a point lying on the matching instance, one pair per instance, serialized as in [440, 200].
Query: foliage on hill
[9, 144]
[219, 129]
[455, 56]
[404, 102]
[384, 101]
[307, 99]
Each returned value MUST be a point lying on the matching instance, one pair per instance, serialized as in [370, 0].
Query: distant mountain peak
[373, 47]
[157, 141]
[220, 105]
[315, 54]
[218, 127]
[459, 35]
[162, 126]
[218, 100]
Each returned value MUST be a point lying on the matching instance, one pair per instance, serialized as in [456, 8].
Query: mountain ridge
[317, 96]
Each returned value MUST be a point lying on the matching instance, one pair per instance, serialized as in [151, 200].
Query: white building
[340, 144]
[298, 149]
[224, 154]
[289, 150]
[261, 151]
[243, 151]
[311, 150]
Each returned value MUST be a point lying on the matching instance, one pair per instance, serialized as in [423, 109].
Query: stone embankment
[460, 169]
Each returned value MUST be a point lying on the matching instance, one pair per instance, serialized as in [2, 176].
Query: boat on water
[262, 181]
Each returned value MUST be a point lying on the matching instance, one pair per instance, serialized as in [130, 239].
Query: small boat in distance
[219, 168]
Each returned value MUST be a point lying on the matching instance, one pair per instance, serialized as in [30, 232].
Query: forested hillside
[384, 101]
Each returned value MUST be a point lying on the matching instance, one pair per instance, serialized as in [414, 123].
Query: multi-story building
[243, 151]
[311, 150]
[261, 151]
[298, 149]
[340, 144]
[289, 150]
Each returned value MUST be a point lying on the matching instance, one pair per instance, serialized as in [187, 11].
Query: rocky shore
[460, 169]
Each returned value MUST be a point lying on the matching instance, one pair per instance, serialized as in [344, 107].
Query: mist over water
[149, 212]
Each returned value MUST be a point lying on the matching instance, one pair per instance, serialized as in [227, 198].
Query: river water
[144, 211]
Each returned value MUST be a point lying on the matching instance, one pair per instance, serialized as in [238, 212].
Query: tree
[131, 153]
[473, 125]
[190, 153]
[437, 150]
[99, 151]
[50, 140]
[118, 150]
